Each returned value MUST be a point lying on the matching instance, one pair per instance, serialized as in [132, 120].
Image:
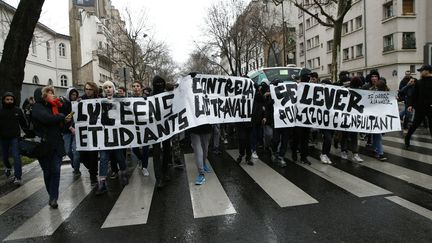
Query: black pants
[90, 161]
[301, 138]
[244, 134]
[161, 158]
[280, 135]
[327, 141]
[419, 116]
[349, 141]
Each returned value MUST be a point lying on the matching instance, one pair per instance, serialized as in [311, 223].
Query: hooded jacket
[67, 107]
[11, 119]
[46, 125]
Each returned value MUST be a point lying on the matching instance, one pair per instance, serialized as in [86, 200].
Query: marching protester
[327, 136]
[280, 137]
[48, 122]
[143, 152]
[405, 94]
[378, 84]
[11, 121]
[27, 107]
[161, 151]
[402, 96]
[421, 101]
[121, 92]
[349, 140]
[258, 117]
[200, 139]
[105, 155]
[69, 130]
[90, 158]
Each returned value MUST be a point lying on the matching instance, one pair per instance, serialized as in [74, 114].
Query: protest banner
[103, 124]
[335, 108]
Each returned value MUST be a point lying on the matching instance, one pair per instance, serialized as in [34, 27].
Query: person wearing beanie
[105, 155]
[12, 119]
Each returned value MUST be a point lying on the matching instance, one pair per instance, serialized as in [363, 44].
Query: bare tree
[326, 17]
[200, 62]
[17, 44]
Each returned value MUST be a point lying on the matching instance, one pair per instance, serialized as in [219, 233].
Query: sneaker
[225, 141]
[239, 159]
[380, 157]
[344, 155]
[407, 142]
[76, 173]
[305, 161]
[325, 159]
[101, 188]
[357, 158]
[275, 159]
[200, 179]
[282, 163]
[206, 168]
[254, 155]
[145, 172]
[114, 175]
[53, 203]
[8, 172]
[17, 182]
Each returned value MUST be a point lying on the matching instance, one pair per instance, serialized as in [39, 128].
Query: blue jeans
[142, 155]
[70, 148]
[377, 143]
[117, 154]
[12, 144]
[51, 166]
[200, 143]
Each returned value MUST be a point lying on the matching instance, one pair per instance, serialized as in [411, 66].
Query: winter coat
[421, 97]
[11, 119]
[46, 125]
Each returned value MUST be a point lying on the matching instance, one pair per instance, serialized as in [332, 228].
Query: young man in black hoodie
[11, 120]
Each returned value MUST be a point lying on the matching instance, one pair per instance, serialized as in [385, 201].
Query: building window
[359, 50]
[359, 22]
[309, 62]
[62, 50]
[388, 43]
[345, 54]
[301, 29]
[408, 40]
[408, 7]
[329, 45]
[50, 82]
[48, 46]
[301, 47]
[345, 28]
[388, 10]
[318, 62]
[308, 23]
[63, 81]
[33, 46]
[35, 80]
[412, 68]
[352, 52]
[317, 41]
[329, 68]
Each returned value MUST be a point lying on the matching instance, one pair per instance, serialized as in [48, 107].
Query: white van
[275, 74]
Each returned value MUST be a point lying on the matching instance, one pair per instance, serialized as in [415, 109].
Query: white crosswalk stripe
[46, 221]
[281, 190]
[411, 206]
[209, 199]
[133, 205]
[412, 142]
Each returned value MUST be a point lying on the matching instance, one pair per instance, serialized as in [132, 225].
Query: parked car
[275, 74]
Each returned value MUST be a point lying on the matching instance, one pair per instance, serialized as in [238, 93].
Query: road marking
[424, 158]
[411, 206]
[20, 194]
[399, 172]
[133, 205]
[210, 198]
[280, 189]
[412, 142]
[348, 182]
[47, 220]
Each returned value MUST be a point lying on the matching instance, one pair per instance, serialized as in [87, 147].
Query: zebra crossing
[218, 196]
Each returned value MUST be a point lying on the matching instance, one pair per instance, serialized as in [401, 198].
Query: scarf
[55, 104]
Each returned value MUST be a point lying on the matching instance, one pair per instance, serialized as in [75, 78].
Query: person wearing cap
[12, 119]
[105, 155]
[421, 101]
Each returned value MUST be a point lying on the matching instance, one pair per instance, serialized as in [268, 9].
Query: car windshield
[282, 74]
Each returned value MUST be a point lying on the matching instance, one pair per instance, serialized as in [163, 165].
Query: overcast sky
[176, 22]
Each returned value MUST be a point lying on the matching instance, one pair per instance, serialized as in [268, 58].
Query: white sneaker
[325, 159]
[254, 155]
[17, 182]
[225, 141]
[344, 155]
[356, 158]
[145, 172]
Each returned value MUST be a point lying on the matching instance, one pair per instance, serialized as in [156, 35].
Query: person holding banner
[117, 154]
[142, 155]
[90, 158]
[378, 84]
[200, 139]
[48, 122]
[327, 136]
[421, 101]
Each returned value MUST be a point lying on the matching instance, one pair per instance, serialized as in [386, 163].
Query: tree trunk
[337, 36]
[16, 46]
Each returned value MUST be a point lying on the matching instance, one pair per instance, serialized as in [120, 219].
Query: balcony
[409, 43]
[388, 48]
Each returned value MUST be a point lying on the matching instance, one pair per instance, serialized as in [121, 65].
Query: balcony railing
[388, 48]
[409, 44]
